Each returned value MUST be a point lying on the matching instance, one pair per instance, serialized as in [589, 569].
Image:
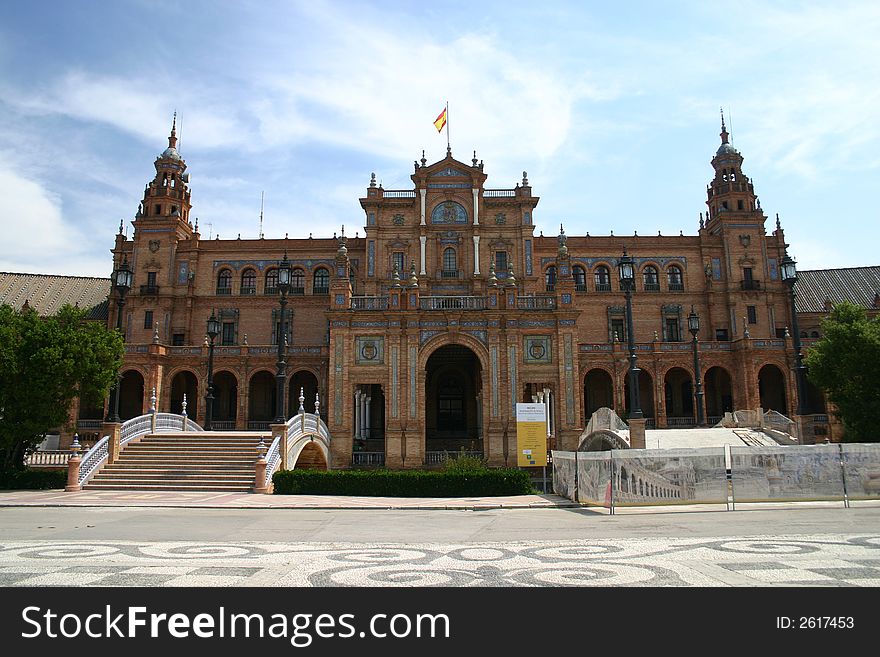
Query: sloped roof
[858, 285]
[46, 293]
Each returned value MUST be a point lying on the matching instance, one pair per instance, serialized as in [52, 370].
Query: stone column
[423, 193]
[367, 415]
[476, 255]
[357, 413]
[476, 207]
[422, 241]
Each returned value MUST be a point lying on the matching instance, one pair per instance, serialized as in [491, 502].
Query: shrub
[463, 463]
[28, 479]
[403, 483]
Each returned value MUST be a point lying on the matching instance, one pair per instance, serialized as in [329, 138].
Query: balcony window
[550, 278]
[321, 283]
[450, 263]
[675, 279]
[249, 282]
[603, 279]
[271, 282]
[224, 282]
[298, 281]
[580, 278]
[651, 279]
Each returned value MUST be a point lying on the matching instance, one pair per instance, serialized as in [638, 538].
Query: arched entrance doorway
[261, 404]
[131, 395]
[453, 384]
[771, 386]
[598, 392]
[678, 393]
[225, 401]
[185, 383]
[308, 383]
[646, 394]
[719, 394]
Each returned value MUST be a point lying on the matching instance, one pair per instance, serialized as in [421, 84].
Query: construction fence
[719, 475]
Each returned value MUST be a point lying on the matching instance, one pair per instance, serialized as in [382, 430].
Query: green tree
[845, 362]
[45, 363]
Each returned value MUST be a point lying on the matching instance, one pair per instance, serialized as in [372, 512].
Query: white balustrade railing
[273, 459]
[138, 426]
[48, 457]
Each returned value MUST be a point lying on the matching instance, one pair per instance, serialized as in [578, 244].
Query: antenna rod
[261, 214]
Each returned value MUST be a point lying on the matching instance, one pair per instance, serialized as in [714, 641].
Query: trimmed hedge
[403, 483]
[28, 479]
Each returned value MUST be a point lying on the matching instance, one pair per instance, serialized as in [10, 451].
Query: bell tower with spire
[167, 196]
[731, 195]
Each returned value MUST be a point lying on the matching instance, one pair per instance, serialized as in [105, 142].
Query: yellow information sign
[531, 435]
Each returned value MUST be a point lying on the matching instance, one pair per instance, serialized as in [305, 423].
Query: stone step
[179, 461]
[123, 466]
[171, 487]
[243, 472]
[174, 477]
[208, 453]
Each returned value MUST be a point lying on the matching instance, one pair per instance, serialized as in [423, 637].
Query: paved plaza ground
[49, 538]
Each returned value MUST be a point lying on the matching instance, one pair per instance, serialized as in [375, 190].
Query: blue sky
[612, 108]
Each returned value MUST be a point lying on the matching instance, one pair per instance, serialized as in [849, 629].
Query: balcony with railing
[399, 193]
[676, 287]
[149, 290]
[320, 290]
[499, 193]
[680, 422]
[368, 459]
[652, 287]
[450, 273]
[603, 287]
[536, 303]
[752, 284]
[369, 303]
[224, 291]
[269, 291]
[452, 302]
[247, 291]
[297, 291]
[580, 287]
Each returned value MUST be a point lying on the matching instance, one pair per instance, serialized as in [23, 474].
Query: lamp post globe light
[694, 328]
[213, 332]
[281, 376]
[626, 271]
[789, 276]
[121, 278]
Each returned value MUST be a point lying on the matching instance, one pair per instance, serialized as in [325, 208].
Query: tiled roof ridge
[24, 273]
[807, 271]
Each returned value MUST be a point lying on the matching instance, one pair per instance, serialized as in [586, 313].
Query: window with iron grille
[249, 282]
[148, 319]
[675, 279]
[603, 279]
[224, 282]
[651, 278]
[271, 282]
[321, 284]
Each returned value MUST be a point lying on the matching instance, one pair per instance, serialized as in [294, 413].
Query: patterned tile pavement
[788, 560]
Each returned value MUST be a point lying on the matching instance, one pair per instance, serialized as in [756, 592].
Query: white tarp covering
[594, 478]
[564, 474]
[862, 465]
[669, 476]
[807, 472]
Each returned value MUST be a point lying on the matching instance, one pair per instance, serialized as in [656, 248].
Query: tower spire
[172, 138]
[724, 134]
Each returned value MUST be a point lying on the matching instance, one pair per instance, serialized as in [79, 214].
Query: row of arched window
[320, 281]
[602, 278]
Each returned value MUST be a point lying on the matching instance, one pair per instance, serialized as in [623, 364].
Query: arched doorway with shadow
[185, 383]
[771, 387]
[646, 396]
[452, 412]
[307, 383]
[718, 390]
[131, 395]
[225, 401]
[598, 392]
[261, 401]
[678, 393]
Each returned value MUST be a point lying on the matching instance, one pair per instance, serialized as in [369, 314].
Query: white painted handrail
[137, 426]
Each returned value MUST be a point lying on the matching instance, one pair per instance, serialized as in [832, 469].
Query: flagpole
[448, 146]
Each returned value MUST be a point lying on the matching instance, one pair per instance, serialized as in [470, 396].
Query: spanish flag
[441, 120]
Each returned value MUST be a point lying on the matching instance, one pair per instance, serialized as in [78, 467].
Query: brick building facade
[420, 335]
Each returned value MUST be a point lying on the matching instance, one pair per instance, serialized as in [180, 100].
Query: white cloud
[35, 236]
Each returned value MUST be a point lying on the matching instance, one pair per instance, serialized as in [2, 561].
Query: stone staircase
[188, 461]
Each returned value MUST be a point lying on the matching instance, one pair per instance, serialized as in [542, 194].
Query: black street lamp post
[281, 376]
[122, 284]
[628, 280]
[213, 332]
[789, 275]
[694, 328]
